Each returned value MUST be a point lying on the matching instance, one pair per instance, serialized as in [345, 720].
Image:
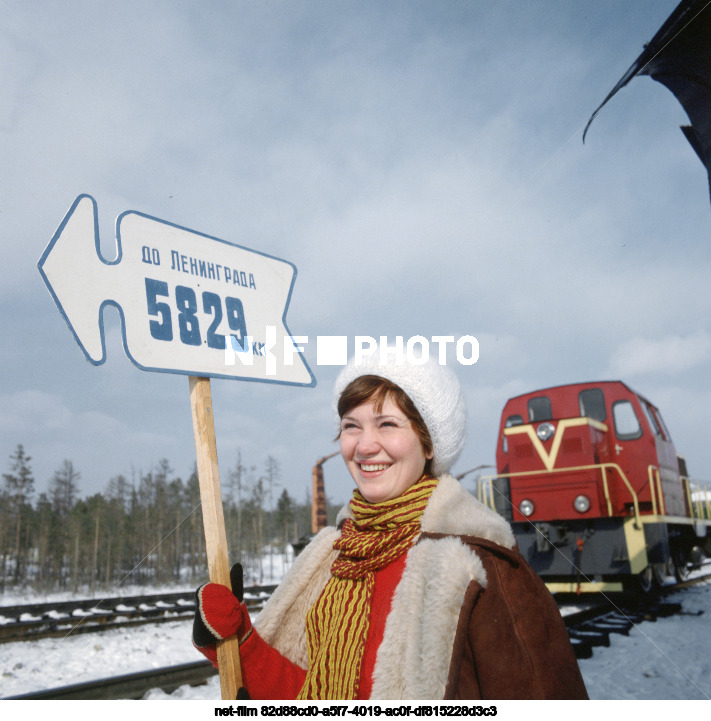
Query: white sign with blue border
[189, 303]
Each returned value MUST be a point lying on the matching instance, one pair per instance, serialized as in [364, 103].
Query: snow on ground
[666, 659]
[32, 665]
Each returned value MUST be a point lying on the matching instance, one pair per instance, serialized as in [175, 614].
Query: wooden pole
[214, 523]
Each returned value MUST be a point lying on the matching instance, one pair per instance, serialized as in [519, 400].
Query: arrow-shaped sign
[189, 303]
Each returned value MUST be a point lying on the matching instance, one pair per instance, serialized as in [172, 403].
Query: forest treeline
[146, 530]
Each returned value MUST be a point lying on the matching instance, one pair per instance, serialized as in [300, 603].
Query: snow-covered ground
[666, 659]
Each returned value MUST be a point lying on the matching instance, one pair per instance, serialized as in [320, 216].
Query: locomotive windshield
[539, 409]
[627, 426]
[592, 404]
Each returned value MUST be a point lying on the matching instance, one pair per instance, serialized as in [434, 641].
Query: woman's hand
[220, 613]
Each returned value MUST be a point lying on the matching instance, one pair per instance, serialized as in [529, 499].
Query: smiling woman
[384, 441]
[419, 591]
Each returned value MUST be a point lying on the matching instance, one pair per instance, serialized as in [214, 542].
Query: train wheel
[681, 566]
[642, 582]
[660, 571]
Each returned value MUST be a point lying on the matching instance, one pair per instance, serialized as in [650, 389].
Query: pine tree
[238, 484]
[256, 504]
[284, 517]
[63, 489]
[198, 559]
[272, 473]
[45, 526]
[19, 486]
[63, 492]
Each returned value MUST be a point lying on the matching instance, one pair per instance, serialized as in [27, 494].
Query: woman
[419, 591]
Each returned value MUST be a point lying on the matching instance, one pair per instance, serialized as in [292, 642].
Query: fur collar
[414, 658]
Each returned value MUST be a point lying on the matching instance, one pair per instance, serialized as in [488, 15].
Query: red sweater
[269, 675]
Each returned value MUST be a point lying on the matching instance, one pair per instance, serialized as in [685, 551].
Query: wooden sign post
[189, 304]
[214, 522]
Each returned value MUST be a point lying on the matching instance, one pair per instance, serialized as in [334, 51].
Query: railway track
[128, 686]
[589, 628]
[593, 627]
[30, 622]
[619, 613]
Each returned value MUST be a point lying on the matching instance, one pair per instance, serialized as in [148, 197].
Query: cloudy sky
[420, 163]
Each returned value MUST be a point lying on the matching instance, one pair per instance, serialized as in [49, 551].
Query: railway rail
[127, 686]
[63, 618]
[593, 627]
[619, 613]
[589, 628]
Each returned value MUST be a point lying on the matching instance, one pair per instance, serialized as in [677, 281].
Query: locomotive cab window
[627, 426]
[592, 404]
[662, 424]
[652, 420]
[539, 409]
[515, 420]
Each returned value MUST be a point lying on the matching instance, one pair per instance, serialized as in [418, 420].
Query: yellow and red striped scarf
[337, 624]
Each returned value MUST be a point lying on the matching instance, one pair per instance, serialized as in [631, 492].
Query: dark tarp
[679, 56]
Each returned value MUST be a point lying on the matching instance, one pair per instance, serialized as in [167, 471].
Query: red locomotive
[599, 500]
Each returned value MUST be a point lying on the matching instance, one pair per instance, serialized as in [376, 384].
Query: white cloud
[671, 354]
[32, 410]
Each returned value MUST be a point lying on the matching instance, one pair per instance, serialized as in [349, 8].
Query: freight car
[598, 498]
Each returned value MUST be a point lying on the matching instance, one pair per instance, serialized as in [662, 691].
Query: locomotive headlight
[581, 504]
[545, 431]
[526, 507]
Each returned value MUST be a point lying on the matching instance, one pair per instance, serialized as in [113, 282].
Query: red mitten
[220, 614]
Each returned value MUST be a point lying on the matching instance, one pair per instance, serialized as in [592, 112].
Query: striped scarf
[337, 624]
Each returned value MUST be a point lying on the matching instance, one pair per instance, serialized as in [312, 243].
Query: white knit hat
[435, 392]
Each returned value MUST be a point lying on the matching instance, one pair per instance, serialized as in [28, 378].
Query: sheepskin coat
[469, 618]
